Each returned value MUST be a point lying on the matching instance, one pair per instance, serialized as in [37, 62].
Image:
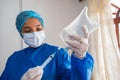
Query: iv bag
[76, 26]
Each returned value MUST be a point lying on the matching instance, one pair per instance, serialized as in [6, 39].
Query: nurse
[25, 64]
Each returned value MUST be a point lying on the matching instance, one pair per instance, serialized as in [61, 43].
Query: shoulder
[60, 51]
[16, 54]
[50, 45]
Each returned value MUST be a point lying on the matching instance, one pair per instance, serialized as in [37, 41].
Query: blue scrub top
[62, 66]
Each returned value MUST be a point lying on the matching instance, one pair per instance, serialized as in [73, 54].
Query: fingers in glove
[78, 53]
[74, 49]
[78, 46]
[74, 37]
[38, 76]
[33, 72]
[72, 43]
[80, 39]
[85, 31]
[83, 41]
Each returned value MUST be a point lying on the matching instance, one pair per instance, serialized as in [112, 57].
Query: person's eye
[38, 29]
[27, 31]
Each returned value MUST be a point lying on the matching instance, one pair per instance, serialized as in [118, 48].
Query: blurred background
[57, 14]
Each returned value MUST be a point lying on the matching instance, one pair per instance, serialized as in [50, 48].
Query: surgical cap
[24, 16]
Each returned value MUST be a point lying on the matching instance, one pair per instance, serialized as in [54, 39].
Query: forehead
[32, 21]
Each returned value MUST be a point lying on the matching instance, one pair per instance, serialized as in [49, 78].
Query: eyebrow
[29, 27]
[38, 25]
[26, 27]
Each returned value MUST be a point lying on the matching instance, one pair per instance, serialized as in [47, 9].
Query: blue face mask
[34, 39]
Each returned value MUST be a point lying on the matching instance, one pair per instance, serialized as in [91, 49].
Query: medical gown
[61, 67]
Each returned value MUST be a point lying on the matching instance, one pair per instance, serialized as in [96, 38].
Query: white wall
[56, 13]
[9, 39]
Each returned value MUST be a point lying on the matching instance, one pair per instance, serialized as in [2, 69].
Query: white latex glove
[33, 74]
[79, 44]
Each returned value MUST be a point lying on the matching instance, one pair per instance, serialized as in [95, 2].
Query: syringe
[50, 58]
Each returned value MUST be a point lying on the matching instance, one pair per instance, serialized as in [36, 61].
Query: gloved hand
[33, 74]
[79, 44]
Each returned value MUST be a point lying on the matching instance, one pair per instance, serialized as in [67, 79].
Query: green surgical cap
[24, 16]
